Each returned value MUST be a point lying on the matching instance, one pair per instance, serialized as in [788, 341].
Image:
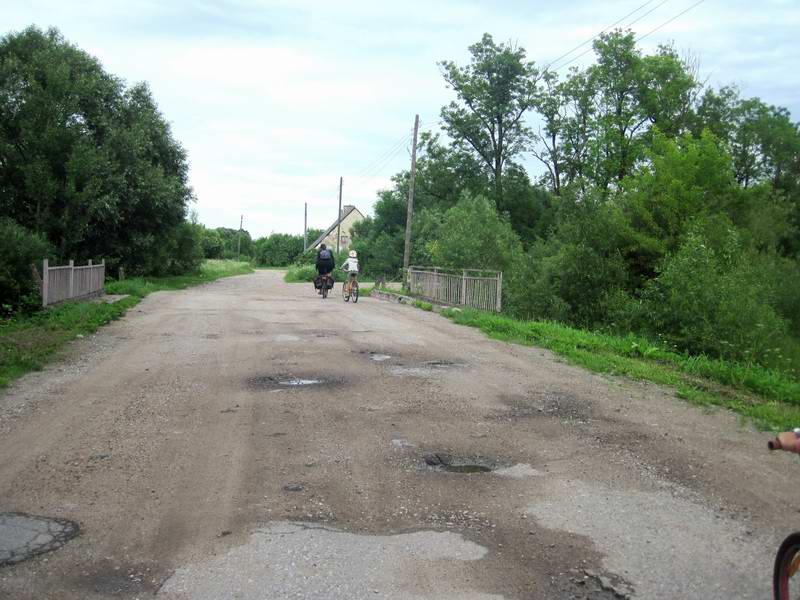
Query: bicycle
[350, 288]
[787, 559]
[325, 284]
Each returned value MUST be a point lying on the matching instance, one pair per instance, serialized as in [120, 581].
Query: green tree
[494, 92]
[85, 162]
[474, 236]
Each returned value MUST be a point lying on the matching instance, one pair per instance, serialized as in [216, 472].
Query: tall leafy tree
[86, 162]
[494, 92]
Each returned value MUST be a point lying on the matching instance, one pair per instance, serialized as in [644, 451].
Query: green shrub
[20, 249]
[710, 297]
[307, 273]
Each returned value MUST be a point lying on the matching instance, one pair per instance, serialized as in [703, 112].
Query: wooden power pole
[339, 219]
[305, 228]
[239, 239]
[410, 210]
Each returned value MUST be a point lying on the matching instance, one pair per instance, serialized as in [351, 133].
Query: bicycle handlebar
[787, 440]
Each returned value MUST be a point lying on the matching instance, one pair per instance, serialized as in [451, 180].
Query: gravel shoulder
[181, 440]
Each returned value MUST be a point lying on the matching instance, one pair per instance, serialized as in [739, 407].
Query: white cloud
[274, 100]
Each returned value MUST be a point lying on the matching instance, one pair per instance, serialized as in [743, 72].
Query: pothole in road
[289, 381]
[425, 369]
[460, 464]
[23, 536]
[277, 382]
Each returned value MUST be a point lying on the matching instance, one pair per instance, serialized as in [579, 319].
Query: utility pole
[239, 239]
[410, 211]
[339, 219]
[305, 229]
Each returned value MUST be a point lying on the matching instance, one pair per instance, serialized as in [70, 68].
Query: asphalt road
[182, 441]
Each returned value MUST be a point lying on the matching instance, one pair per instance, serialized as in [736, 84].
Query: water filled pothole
[295, 381]
[379, 357]
[425, 369]
[466, 468]
[277, 382]
[463, 464]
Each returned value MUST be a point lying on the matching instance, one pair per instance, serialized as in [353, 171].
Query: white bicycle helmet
[352, 254]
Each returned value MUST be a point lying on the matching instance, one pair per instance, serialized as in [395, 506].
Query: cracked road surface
[248, 440]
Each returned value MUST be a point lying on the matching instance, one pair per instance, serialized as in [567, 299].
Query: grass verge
[28, 343]
[770, 398]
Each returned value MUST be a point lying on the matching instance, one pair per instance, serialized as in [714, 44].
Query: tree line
[663, 206]
[90, 169]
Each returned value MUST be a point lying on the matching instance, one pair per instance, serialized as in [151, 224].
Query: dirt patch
[110, 580]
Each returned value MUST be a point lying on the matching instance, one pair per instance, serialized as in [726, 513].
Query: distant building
[349, 217]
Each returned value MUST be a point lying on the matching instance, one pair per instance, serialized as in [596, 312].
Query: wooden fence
[69, 282]
[470, 287]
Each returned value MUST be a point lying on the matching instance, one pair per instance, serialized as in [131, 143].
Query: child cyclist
[351, 266]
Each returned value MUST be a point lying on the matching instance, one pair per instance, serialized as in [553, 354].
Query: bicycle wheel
[786, 575]
[345, 292]
[324, 290]
[354, 292]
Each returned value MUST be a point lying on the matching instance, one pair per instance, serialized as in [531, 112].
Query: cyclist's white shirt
[351, 264]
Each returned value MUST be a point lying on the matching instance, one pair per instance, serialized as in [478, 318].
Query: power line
[667, 22]
[381, 163]
[617, 22]
[397, 145]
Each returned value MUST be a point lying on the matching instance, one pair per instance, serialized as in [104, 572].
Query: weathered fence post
[464, 287]
[71, 278]
[45, 281]
[499, 291]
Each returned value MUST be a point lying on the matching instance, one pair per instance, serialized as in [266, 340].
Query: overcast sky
[274, 100]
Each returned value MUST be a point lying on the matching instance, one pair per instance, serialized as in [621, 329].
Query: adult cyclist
[325, 262]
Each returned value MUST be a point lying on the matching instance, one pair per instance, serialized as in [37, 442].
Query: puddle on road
[424, 369]
[285, 338]
[379, 357]
[283, 382]
[300, 382]
[466, 468]
[460, 464]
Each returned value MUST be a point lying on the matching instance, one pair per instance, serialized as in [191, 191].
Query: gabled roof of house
[345, 213]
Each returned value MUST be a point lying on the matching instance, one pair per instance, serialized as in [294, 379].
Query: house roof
[345, 213]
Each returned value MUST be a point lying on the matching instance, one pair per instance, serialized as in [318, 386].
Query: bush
[572, 276]
[304, 273]
[474, 236]
[20, 249]
[711, 297]
[278, 249]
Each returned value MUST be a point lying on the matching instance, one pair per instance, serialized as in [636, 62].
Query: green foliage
[474, 236]
[213, 246]
[494, 91]
[711, 297]
[307, 273]
[19, 251]
[278, 249]
[85, 162]
[422, 305]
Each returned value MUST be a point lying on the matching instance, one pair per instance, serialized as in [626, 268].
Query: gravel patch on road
[299, 560]
[665, 545]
